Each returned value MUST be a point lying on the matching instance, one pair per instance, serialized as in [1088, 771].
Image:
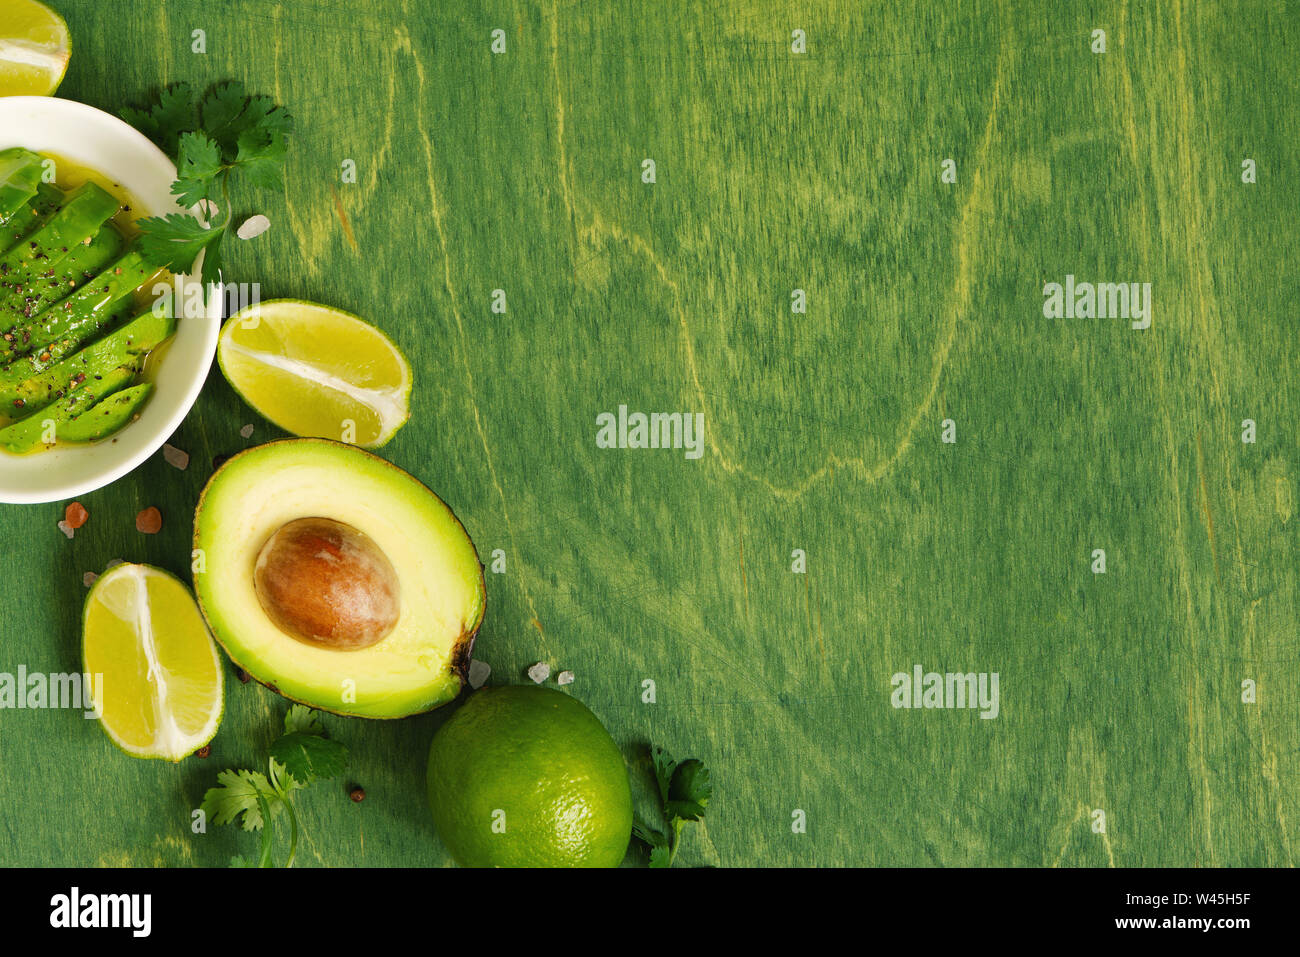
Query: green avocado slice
[79, 266]
[60, 328]
[30, 216]
[62, 420]
[20, 177]
[122, 346]
[107, 416]
[88, 207]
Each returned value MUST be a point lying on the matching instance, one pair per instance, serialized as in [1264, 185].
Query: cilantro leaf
[222, 108]
[198, 162]
[240, 123]
[283, 782]
[684, 792]
[260, 157]
[226, 133]
[689, 791]
[297, 758]
[212, 260]
[309, 756]
[301, 718]
[262, 143]
[174, 241]
[655, 840]
[303, 749]
[176, 112]
[240, 793]
[645, 833]
[664, 765]
[261, 116]
[268, 115]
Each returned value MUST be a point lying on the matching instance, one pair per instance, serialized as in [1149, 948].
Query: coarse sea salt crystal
[539, 672]
[89, 579]
[66, 529]
[246, 430]
[175, 457]
[478, 673]
[253, 226]
[565, 678]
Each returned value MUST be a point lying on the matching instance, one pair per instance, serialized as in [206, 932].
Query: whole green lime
[523, 776]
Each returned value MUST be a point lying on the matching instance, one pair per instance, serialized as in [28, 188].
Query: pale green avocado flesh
[422, 662]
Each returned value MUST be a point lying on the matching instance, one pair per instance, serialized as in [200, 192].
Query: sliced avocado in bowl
[337, 579]
[20, 177]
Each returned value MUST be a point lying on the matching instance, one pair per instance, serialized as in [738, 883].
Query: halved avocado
[337, 579]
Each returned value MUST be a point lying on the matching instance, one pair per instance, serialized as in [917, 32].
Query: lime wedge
[34, 48]
[161, 692]
[317, 372]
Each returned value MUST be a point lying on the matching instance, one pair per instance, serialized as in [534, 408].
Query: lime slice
[34, 48]
[317, 372]
[161, 691]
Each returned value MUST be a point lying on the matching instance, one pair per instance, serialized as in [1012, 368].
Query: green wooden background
[775, 171]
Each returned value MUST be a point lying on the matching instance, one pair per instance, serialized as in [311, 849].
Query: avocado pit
[327, 584]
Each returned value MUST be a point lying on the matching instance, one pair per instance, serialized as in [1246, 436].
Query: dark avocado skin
[462, 652]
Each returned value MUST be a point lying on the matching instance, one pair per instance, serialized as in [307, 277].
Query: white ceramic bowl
[102, 142]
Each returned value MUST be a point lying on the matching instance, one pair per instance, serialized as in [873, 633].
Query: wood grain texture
[775, 171]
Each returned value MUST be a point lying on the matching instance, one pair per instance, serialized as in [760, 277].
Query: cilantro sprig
[226, 132]
[684, 793]
[254, 800]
